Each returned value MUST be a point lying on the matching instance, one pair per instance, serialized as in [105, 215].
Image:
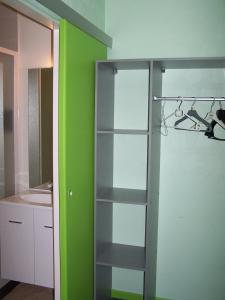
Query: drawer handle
[15, 222]
[50, 227]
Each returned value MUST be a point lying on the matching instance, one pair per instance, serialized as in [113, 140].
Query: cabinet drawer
[16, 214]
[17, 246]
[43, 227]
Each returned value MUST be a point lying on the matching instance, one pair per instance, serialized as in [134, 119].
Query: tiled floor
[29, 292]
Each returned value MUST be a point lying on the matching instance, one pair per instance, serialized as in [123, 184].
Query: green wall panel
[78, 53]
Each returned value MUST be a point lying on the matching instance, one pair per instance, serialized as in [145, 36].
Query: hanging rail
[188, 98]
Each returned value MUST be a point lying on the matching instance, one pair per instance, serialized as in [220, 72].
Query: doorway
[22, 52]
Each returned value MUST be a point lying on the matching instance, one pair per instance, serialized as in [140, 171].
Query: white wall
[191, 256]
[175, 28]
[192, 208]
[93, 10]
[35, 51]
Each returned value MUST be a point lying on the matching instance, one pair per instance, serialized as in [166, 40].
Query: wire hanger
[210, 114]
[185, 117]
[192, 115]
[178, 112]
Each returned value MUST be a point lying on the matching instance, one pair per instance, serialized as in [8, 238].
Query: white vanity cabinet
[17, 244]
[27, 243]
[43, 261]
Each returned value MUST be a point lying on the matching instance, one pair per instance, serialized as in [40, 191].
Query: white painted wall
[93, 10]
[35, 51]
[191, 256]
[191, 259]
[175, 28]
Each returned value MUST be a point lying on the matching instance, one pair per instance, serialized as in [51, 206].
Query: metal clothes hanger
[209, 116]
[177, 113]
[194, 114]
[185, 117]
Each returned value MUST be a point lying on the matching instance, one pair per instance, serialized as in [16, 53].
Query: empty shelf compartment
[122, 195]
[122, 256]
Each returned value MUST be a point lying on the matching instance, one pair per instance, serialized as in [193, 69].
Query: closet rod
[189, 98]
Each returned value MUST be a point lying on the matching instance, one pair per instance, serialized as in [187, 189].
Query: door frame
[55, 149]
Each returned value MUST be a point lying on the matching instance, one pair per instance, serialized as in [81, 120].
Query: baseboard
[6, 289]
[130, 296]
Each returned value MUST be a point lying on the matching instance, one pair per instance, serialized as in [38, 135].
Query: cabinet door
[17, 244]
[78, 54]
[43, 233]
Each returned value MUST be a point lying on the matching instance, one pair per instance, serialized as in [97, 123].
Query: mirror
[40, 130]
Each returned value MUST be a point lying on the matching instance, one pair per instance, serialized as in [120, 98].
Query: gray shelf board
[167, 63]
[124, 131]
[122, 195]
[122, 256]
[127, 64]
[192, 63]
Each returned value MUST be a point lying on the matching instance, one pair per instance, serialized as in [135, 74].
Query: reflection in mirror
[7, 177]
[40, 117]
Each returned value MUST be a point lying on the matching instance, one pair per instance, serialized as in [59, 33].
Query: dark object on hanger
[210, 130]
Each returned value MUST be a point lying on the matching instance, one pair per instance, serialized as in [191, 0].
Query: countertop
[17, 200]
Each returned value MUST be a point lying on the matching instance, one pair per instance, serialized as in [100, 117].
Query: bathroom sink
[37, 198]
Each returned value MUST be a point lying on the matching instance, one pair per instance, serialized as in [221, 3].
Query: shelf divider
[121, 256]
[122, 195]
[123, 131]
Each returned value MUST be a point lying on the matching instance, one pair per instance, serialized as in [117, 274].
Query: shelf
[121, 195]
[122, 256]
[123, 131]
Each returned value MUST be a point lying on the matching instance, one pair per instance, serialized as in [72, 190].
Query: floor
[32, 292]
[29, 292]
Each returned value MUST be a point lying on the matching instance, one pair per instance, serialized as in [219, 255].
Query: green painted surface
[126, 295]
[78, 53]
[130, 296]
